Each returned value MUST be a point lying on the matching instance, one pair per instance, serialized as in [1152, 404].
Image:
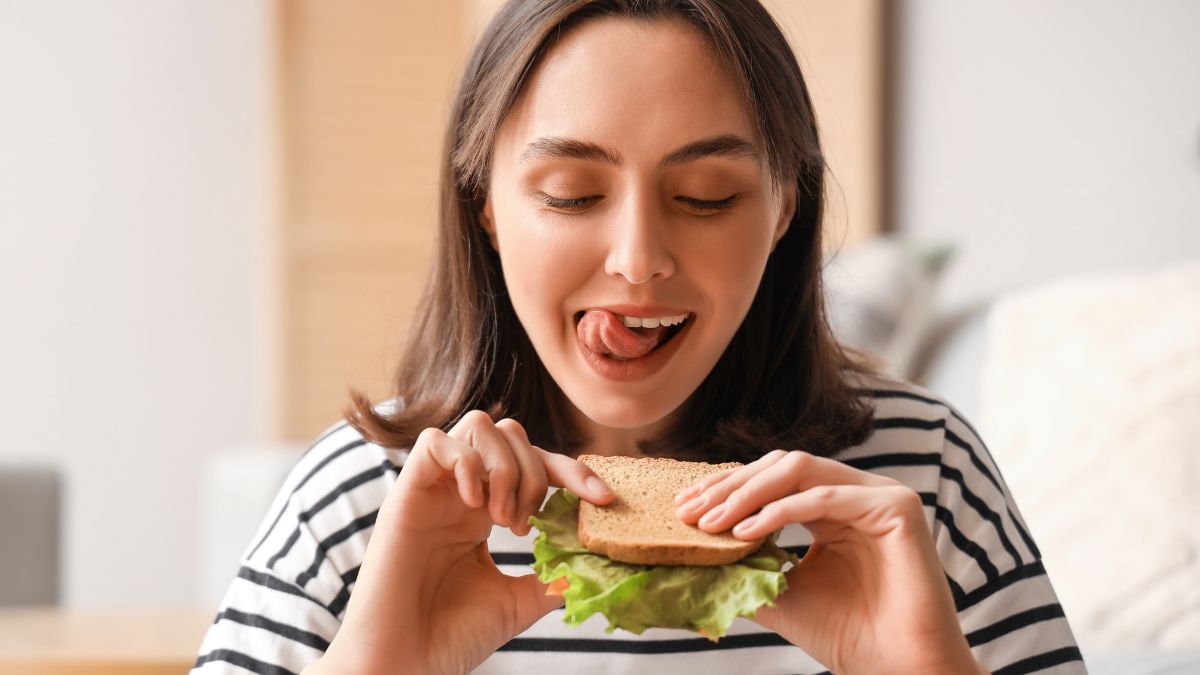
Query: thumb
[532, 600]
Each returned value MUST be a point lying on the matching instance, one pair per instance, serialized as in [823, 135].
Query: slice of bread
[639, 525]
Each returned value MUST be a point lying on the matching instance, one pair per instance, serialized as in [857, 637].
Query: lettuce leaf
[637, 597]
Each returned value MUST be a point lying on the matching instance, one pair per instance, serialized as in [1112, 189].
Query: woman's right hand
[428, 598]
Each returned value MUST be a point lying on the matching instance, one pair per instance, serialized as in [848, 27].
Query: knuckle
[504, 473]
[429, 436]
[510, 424]
[797, 461]
[476, 418]
[824, 493]
[907, 498]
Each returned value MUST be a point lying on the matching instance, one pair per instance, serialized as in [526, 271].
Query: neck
[599, 439]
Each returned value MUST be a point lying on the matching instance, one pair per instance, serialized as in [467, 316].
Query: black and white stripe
[289, 597]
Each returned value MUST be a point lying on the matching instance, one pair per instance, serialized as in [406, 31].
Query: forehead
[644, 88]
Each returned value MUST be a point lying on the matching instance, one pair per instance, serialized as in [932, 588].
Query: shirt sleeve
[287, 598]
[1006, 604]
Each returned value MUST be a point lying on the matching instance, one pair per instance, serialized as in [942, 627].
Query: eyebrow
[557, 147]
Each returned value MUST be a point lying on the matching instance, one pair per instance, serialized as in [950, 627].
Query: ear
[786, 213]
[488, 222]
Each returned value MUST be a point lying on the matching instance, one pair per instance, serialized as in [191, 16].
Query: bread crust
[639, 525]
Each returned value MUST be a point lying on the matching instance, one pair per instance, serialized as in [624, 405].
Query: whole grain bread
[639, 525]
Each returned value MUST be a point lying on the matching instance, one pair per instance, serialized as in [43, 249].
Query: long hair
[780, 382]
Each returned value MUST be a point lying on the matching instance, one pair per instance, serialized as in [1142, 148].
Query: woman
[629, 264]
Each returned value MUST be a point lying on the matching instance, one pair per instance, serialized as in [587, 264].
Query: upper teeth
[653, 322]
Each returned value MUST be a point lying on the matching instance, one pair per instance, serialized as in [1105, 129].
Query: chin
[626, 412]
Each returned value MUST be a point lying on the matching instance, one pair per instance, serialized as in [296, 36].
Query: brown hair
[779, 383]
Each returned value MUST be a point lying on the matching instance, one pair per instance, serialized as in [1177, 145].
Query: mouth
[623, 338]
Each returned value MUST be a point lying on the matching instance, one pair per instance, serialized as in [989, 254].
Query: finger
[435, 454]
[531, 489]
[703, 484]
[717, 491]
[774, 482]
[792, 472]
[873, 510]
[501, 469]
[563, 471]
[532, 600]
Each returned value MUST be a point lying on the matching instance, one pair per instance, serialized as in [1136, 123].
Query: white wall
[136, 180]
[1049, 136]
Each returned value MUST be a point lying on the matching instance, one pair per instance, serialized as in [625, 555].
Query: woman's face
[628, 178]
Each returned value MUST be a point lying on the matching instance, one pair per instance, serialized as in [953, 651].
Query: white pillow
[1091, 405]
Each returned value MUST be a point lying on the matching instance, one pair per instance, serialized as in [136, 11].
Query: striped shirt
[290, 593]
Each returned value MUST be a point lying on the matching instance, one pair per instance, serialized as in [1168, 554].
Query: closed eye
[708, 205]
[567, 203]
[580, 203]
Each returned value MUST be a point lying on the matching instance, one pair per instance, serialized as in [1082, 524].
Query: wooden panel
[365, 91]
[840, 44]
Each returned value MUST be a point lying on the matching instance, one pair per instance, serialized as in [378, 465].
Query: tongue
[602, 332]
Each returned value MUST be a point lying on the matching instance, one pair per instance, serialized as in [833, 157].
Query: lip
[640, 311]
[637, 369]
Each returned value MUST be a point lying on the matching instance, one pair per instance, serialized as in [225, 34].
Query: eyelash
[577, 203]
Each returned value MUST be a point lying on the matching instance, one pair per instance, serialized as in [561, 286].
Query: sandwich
[634, 562]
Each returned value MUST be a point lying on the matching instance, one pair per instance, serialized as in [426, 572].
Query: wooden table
[46, 641]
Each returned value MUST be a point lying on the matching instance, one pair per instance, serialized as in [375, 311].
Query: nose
[640, 250]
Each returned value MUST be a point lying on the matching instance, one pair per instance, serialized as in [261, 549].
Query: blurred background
[216, 215]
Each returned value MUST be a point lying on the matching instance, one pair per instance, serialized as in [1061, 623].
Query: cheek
[728, 267]
[542, 266]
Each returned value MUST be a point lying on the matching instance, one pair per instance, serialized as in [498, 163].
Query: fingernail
[712, 516]
[693, 504]
[745, 525]
[597, 487]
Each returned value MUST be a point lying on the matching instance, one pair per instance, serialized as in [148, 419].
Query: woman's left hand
[871, 594]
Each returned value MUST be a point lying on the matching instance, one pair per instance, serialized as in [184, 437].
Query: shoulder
[894, 398]
[318, 525]
[342, 465]
[978, 529]
[339, 454]
[922, 440]
[909, 416]
[909, 419]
